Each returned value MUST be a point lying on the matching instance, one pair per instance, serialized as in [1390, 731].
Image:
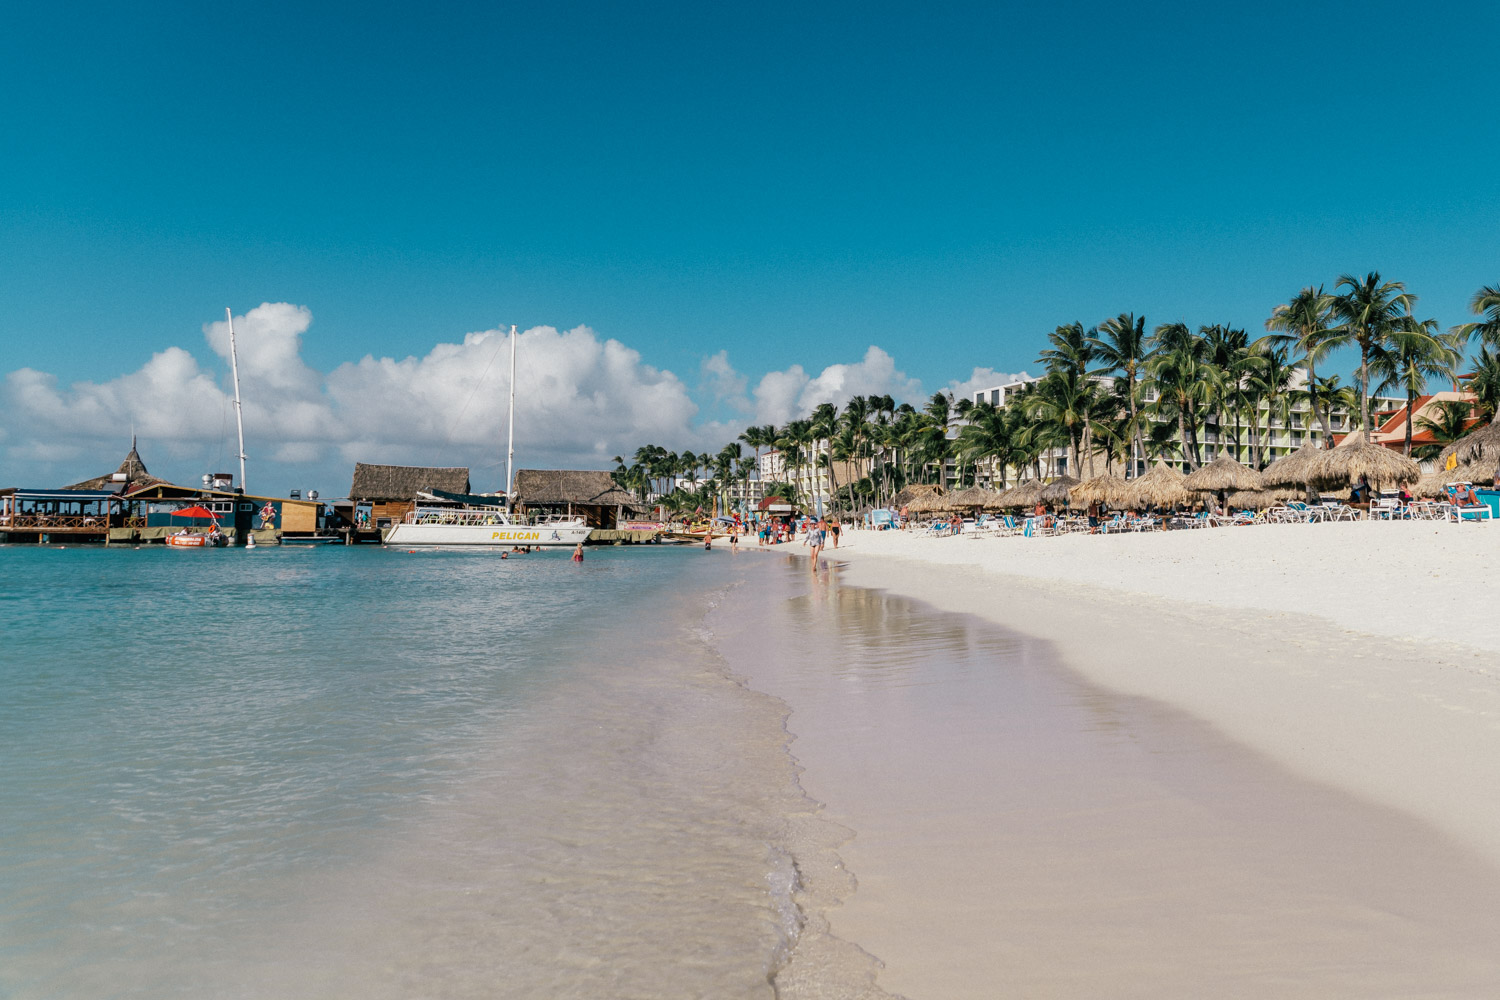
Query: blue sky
[787, 185]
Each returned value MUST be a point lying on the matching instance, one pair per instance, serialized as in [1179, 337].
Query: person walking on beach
[833, 531]
[815, 535]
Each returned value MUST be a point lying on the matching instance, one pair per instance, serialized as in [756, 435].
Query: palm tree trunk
[1312, 379]
[1364, 389]
[1410, 399]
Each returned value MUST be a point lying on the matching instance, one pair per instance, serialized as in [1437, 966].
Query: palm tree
[1371, 310]
[1484, 383]
[1486, 303]
[1448, 425]
[1066, 401]
[1178, 372]
[1269, 382]
[1123, 348]
[1304, 325]
[1413, 354]
[823, 425]
[1227, 356]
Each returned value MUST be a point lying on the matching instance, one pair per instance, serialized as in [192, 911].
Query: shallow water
[362, 772]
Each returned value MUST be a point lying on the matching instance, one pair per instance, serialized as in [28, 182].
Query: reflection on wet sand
[1022, 832]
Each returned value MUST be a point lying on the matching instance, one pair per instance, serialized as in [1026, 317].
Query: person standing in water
[578, 553]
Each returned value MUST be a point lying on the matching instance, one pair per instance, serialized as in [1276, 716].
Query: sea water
[366, 772]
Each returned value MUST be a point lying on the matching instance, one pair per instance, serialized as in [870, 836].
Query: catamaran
[480, 523]
[483, 526]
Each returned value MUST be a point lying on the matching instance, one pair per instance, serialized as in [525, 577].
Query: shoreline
[1020, 827]
[1388, 712]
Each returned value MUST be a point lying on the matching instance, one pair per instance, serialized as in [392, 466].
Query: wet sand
[1020, 830]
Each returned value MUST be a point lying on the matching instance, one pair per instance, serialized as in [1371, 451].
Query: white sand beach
[1308, 802]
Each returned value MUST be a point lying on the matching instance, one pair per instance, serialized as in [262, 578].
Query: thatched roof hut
[912, 492]
[390, 483]
[1223, 473]
[1162, 486]
[561, 487]
[1479, 446]
[1107, 489]
[1355, 457]
[133, 469]
[1057, 490]
[1296, 469]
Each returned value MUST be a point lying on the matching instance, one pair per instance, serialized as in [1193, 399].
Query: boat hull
[492, 535]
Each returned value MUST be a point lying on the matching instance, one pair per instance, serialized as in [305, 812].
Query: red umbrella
[195, 511]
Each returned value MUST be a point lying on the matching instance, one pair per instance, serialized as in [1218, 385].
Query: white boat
[483, 526]
[487, 525]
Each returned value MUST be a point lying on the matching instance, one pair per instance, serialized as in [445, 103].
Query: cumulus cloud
[580, 400]
[786, 395]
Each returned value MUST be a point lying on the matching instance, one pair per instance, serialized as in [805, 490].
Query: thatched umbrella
[1025, 495]
[1478, 446]
[1109, 490]
[1222, 474]
[1356, 457]
[1296, 469]
[929, 503]
[974, 496]
[911, 493]
[1260, 499]
[1162, 486]
[1435, 483]
[1057, 490]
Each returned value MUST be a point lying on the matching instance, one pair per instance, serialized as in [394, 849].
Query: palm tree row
[1119, 394]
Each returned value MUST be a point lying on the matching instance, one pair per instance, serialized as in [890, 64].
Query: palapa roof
[1260, 499]
[1057, 490]
[976, 496]
[1355, 457]
[133, 469]
[1162, 486]
[404, 482]
[1435, 483]
[1223, 473]
[1480, 445]
[1107, 489]
[1296, 469]
[1025, 495]
[930, 503]
[581, 487]
[912, 492]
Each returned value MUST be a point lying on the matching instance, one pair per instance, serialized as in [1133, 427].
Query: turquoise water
[367, 772]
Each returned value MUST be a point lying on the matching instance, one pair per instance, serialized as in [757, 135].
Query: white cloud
[581, 399]
[786, 395]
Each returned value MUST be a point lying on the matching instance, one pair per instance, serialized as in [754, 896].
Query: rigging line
[448, 441]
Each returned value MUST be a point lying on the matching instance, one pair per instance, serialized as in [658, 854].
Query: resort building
[1279, 434]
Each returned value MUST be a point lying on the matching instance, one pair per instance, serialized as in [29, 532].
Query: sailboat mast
[239, 415]
[510, 458]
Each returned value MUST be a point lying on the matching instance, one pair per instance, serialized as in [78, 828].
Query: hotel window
[994, 397]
